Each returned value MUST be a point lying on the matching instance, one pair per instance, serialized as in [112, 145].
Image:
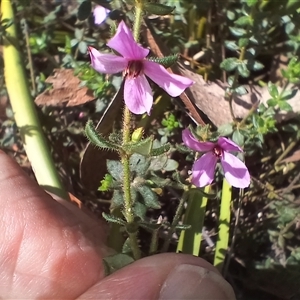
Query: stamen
[134, 68]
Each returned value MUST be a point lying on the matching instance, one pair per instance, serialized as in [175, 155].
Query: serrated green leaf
[166, 61]
[96, 138]
[113, 219]
[273, 90]
[158, 9]
[229, 64]
[160, 150]
[150, 198]
[84, 10]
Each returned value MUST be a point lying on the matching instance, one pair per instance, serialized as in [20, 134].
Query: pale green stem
[190, 239]
[25, 114]
[224, 225]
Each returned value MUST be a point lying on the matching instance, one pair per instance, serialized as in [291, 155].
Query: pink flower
[203, 171]
[137, 91]
[100, 13]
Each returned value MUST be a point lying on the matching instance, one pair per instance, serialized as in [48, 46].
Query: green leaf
[171, 165]
[238, 32]
[82, 47]
[84, 10]
[244, 21]
[283, 105]
[158, 163]
[273, 90]
[117, 199]
[243, 70]
[238, 138]
[113, 219]
[231, 45]
[116, 262]
[139, 164]
[142, 147]
[289, 94]
[229, 64]
[160, 150]
[243, 42]
[115, 169]
[257, 66]
[272, 102]
[140, 210]
[241, 90]
[225, 129]
[251, 3]
[158, 9]
[96, 138]
[150, 198]
[166, 61]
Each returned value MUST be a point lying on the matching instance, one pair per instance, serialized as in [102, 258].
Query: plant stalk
[25, 114]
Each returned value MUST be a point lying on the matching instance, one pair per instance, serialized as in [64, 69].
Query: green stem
[190, 240]
[24, 110]
[224, 224]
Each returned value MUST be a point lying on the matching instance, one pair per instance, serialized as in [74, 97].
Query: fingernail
[193, 282]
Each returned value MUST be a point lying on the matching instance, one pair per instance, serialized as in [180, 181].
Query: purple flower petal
[138, 95]
[124, 43]
[194, 144]
[107, 63]
[204, 170]
[235, 171]
[100, 13]
[228, 145]
[173, 84]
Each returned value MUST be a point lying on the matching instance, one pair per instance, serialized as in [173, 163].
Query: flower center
[218, 151]
[134, 68]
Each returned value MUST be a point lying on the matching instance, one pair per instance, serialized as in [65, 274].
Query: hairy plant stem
[125, 157]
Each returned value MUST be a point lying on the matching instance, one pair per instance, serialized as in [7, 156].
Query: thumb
[164, 276]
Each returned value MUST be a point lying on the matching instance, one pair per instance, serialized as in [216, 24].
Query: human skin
[49, 249]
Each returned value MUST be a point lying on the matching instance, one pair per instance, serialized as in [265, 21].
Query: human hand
[52, 250]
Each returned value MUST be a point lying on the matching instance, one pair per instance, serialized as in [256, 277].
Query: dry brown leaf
[66, 89]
